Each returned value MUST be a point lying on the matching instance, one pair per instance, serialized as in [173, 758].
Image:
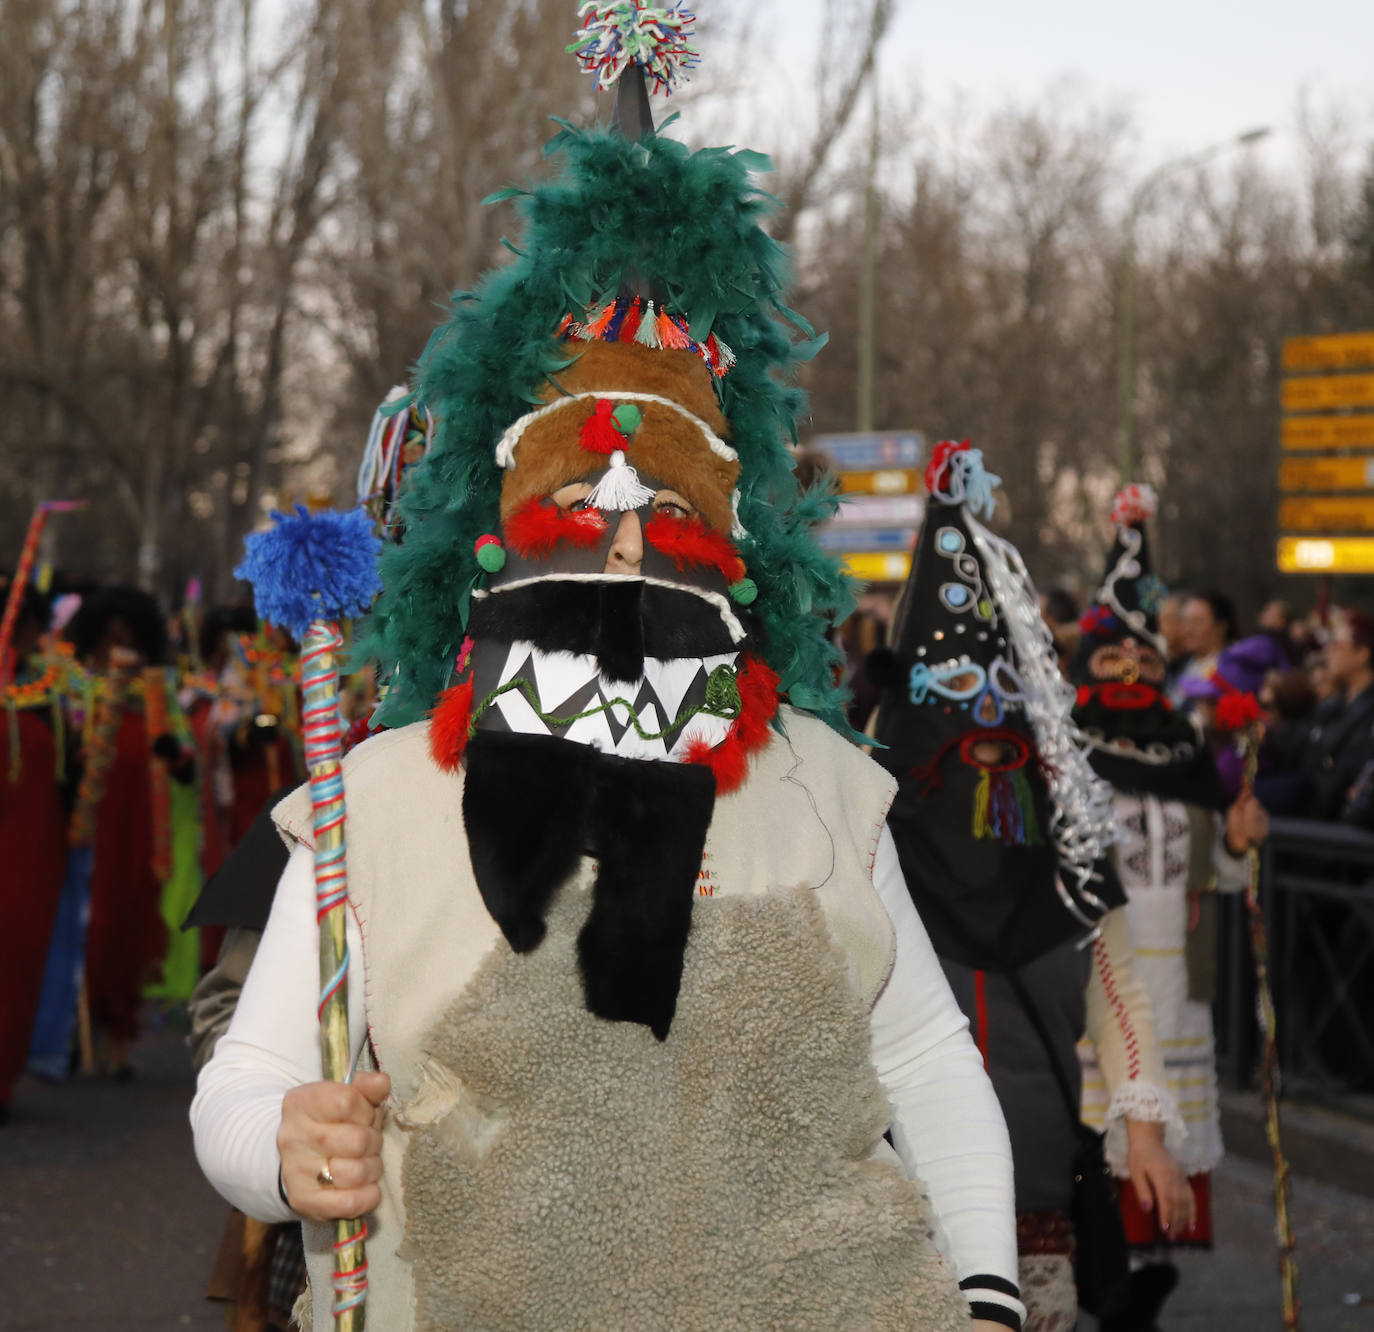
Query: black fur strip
[619, 621]
[533, 805]
[526, 801]
[649, 828]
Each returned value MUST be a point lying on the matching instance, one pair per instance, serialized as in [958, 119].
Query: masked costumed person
[1004, 835]
[1177, 841]
[145, 831]
[33, 831]
[635, 950]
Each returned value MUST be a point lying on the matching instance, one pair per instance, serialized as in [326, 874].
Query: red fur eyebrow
[689, 541]
[537, 527]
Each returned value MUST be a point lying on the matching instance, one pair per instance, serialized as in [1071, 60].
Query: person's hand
[1158, 1181]
[333, 1129]
[1247, 824]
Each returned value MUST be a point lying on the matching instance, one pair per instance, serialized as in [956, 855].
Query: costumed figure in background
[1004, 835]
[264, 738]
[140, 835]
[639, 967]
[1177, 843]
[33, 828]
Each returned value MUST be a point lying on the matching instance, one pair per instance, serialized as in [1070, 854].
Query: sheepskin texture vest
[545, 1169]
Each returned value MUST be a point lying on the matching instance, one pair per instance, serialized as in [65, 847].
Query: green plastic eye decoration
[745, 592]
[627, 418]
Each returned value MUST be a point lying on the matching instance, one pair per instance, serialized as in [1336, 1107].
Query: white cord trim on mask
[1083, 826]
[505, 450]
[737, 528]
[727, 616]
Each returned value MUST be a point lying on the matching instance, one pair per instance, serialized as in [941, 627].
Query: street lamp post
[1125, 319]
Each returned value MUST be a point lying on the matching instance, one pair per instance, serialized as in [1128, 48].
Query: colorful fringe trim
[1004, 808]
[626, 320]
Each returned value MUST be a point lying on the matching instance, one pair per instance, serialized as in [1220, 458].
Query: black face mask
[973, 817]
[588, 688]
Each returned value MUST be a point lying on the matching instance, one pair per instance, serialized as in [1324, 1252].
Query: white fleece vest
[808, 817]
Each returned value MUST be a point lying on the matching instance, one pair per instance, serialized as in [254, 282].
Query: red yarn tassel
[600, 434]
[630, 325]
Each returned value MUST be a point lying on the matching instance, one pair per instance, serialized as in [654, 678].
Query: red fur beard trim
[729, 760]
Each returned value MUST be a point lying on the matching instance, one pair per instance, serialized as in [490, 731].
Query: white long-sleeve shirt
[946, 1124]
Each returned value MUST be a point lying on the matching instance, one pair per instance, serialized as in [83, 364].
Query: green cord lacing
[722, 700]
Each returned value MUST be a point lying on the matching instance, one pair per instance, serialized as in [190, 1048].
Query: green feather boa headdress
[620, 212]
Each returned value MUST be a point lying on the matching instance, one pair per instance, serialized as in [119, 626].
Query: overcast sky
[1192, 72]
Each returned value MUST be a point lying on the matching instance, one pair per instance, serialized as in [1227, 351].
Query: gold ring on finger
[325, 1177]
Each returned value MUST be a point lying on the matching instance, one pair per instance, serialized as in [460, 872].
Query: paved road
[106, 1224]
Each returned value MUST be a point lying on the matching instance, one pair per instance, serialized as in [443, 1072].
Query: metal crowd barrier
[1317, 892]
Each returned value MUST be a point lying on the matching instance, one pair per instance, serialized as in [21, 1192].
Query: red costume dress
[33, 845]
[127, 937]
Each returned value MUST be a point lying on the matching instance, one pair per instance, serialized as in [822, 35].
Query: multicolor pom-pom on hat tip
[656, 38]
[309, 567]
[1134, 504]
[956, 475]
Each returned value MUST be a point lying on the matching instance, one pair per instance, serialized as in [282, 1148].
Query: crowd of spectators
[1313, 679]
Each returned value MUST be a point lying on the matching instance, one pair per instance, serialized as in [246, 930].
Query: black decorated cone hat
[1140, 743]
[972, 816]
[1128, 599]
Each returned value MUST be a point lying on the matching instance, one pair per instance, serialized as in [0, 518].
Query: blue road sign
[861, 453]
[859, 539]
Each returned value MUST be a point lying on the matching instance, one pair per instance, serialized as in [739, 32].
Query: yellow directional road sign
[1327, 432]
[1354, 513]
[1299, 474]
[1334, 351]
[878, 567]
[893, 481]
[1317, 393]
[1326, 554]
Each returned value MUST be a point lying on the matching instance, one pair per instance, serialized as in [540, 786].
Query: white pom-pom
[620, 489]
[615, 36]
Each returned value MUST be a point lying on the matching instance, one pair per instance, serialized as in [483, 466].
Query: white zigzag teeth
[519, 715]
[702, 727]
[594, 731]
[560, 675]
[724, 659]
[670, 680]
[520, 652]
[633, 745]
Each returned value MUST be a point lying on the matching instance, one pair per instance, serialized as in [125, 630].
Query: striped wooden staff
[307, 573]
[324, 760]
[22, 573]
[1253, 733]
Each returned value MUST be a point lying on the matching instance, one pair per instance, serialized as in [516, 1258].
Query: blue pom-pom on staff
[312, 567]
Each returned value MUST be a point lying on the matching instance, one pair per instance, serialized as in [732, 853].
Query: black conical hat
[974, 836]
[1140, 743]
[1128, 599]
